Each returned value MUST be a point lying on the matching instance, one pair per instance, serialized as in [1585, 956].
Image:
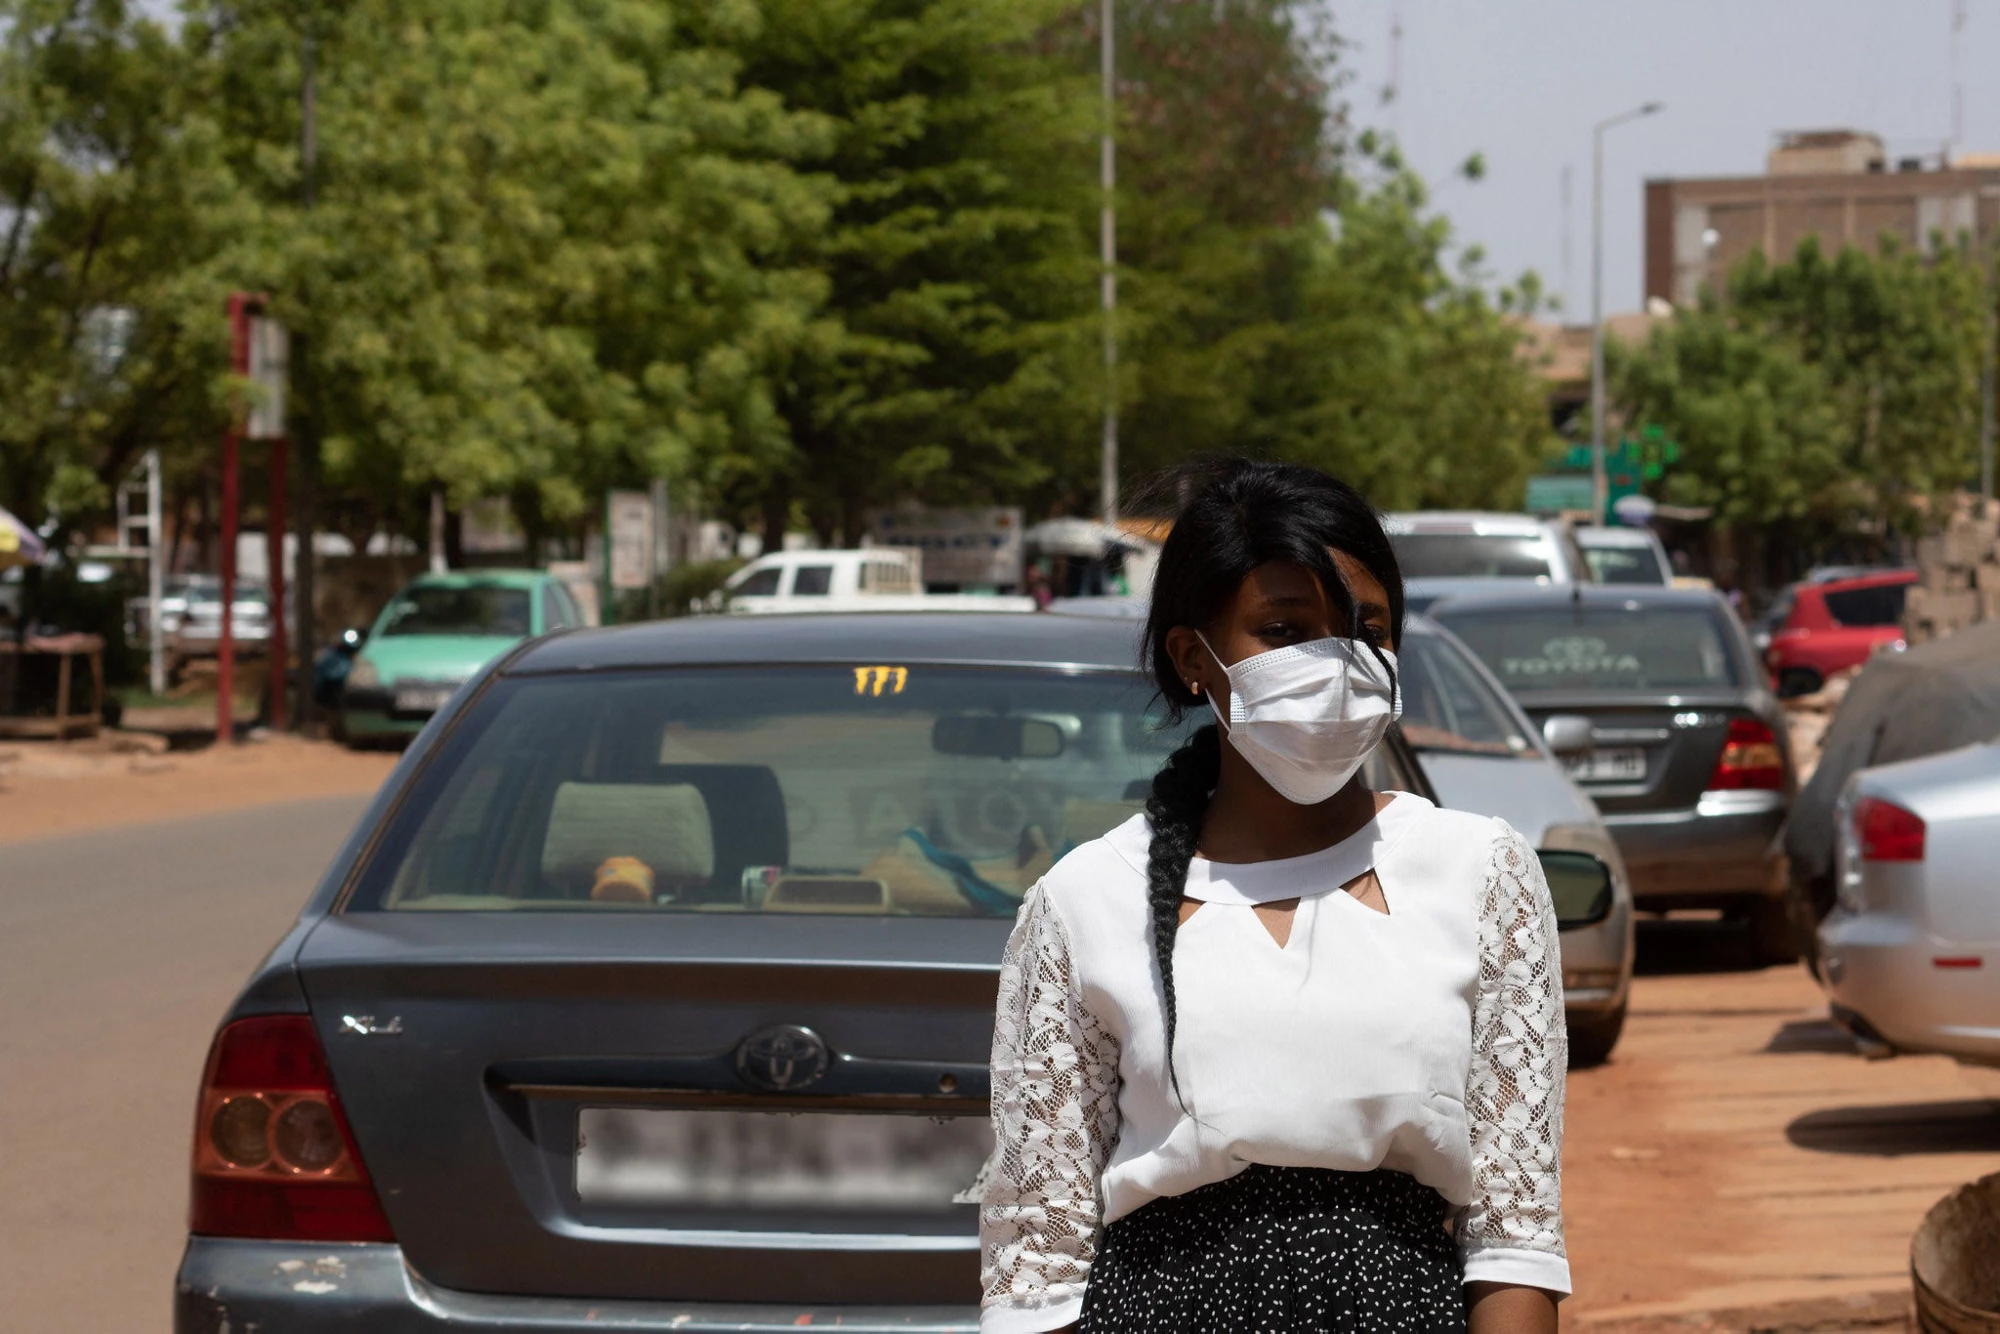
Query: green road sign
[1552, 493]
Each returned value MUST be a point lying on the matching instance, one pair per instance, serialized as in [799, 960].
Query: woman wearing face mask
[1284, 1053]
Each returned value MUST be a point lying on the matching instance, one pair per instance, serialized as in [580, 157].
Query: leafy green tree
[1820, 391]
[953, 266]
[111, 194]
[542, 257]
[1288, 286]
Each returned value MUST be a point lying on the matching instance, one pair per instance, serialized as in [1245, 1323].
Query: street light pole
[1108, 246]
[1600, 483]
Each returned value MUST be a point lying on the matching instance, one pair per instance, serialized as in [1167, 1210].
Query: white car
[1910, 950]
[1448, 553]
[867, 579]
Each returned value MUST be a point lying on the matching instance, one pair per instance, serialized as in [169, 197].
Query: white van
[870, 579]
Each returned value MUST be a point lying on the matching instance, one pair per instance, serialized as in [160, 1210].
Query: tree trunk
[777, 513]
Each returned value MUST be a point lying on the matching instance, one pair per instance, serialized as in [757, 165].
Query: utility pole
[1568, 245]
[1986, 372]
[305, 436]
[1600, 484]
[1108, 246]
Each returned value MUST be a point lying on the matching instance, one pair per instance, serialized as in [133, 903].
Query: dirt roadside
[1738, 1167]
[48, 789]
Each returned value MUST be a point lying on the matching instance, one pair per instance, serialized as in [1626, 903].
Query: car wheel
[1796, 681]
[1592, 1036]
[1774, 935]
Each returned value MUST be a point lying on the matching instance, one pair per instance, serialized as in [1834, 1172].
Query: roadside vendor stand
[67, 650]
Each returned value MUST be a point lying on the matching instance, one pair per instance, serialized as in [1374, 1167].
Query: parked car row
[661, 971]
[658, 978]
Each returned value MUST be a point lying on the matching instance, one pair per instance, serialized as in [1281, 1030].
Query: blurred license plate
[422, 701]
[1623, 764]
[777, 1160]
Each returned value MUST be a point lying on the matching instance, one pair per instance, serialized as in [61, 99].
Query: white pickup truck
[870, 579]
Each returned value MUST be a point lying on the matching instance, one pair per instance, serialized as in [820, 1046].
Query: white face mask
[1307, 715]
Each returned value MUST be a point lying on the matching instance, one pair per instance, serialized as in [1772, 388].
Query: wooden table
[66, 649]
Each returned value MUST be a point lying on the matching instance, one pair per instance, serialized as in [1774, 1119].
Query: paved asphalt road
[118, 952]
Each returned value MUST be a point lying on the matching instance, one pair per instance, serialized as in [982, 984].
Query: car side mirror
[1569, 734]
[1579, 886]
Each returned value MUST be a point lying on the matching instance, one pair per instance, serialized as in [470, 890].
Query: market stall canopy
[18, 543]
[1936, 697]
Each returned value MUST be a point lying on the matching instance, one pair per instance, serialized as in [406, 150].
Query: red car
[1828, 627]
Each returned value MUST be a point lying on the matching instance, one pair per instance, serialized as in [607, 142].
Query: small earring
[1194, 687]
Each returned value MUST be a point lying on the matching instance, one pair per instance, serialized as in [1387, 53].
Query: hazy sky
[1524, 80]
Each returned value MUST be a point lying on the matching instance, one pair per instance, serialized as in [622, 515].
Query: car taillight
[1887, 833]
[1751, 758]
[273, 1157]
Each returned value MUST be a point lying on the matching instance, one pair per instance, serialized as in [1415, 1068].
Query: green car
[434, 635]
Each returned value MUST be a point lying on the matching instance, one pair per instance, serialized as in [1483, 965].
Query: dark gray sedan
[655, 990]
[1654, 698]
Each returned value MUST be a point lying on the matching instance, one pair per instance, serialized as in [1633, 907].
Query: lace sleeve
[1055, 1120]
[1512, 1231]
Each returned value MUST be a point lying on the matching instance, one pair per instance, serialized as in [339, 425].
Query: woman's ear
[1193, 663]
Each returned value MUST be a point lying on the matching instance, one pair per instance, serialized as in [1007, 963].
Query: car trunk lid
[1649, 753]
[667, 1105]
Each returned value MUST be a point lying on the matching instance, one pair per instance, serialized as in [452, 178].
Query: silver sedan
[1916, 925]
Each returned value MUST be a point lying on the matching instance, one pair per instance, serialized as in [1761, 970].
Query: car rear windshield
[1473, 556]
[474, 609]
[879, 789]
[1624, 565]
[1448, 705]
[1628, 647]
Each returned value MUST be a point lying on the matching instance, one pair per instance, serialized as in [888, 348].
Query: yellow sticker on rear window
[878, 680]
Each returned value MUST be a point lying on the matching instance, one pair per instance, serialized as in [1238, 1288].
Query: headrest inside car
[664, 825]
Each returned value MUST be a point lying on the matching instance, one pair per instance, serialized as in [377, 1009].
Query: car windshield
[1473, 556]
[1624, 565]
[884, 790]
[1628, 646]
[468, 609]
[1448, 705]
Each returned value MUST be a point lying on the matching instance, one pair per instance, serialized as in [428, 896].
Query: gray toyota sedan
[1658, 705]
[655, 990]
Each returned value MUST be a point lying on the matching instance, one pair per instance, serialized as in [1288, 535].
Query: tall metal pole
[304, 440]
[1600, 484]
[1108, 245]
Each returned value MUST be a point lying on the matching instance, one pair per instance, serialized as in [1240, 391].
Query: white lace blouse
[1428, 1040]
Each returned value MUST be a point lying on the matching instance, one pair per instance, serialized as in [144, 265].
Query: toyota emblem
[782, 1058]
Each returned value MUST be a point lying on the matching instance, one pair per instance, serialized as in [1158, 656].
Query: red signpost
[254, 352]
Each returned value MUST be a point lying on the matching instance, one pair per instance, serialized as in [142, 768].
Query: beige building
[1839, 185]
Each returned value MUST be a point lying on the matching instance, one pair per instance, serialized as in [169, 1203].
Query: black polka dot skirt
[1281, 1249]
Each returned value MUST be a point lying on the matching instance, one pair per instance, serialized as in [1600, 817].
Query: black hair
[1235, 515]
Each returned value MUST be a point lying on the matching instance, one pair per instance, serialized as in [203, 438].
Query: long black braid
[1175, 809]
[1230, 516]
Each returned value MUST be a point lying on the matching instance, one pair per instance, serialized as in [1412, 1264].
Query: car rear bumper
[1597, 964]
[301, 1288]
[1880, 974]
[1709, 855]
